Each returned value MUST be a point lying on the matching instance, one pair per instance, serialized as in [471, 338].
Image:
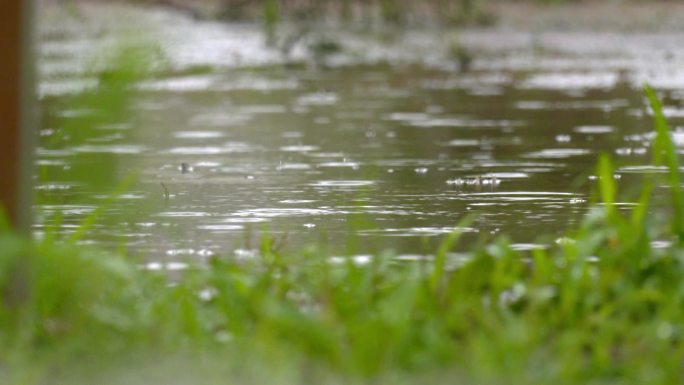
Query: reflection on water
[358, 158]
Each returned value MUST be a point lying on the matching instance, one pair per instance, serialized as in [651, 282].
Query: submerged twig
[166, 191]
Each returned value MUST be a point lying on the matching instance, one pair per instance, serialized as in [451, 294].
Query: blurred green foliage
[271, 15]
[84, 118]
[86, 129]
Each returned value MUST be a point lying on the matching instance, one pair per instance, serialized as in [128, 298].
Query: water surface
[375, 150]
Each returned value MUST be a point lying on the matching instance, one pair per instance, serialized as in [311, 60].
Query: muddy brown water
[383, 149]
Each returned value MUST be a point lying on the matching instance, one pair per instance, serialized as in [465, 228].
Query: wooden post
[16, 104]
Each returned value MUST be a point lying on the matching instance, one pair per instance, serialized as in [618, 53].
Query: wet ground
[387, 143]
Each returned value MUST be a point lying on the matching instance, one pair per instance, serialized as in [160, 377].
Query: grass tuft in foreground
[605, 305]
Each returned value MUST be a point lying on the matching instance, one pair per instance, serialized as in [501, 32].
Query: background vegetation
[392, 11]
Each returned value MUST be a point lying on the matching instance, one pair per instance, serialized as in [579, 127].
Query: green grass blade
[446, 245]
[88, 222]
[640, 211]
[665, 153]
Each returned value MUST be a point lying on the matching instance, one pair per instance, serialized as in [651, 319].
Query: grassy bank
[603, 305]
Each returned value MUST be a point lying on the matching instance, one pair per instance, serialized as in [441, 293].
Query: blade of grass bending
[446, 245]
[88, 222]
[639, 212]
[665, 153]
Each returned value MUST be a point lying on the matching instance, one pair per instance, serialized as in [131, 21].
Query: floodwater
[386, 145]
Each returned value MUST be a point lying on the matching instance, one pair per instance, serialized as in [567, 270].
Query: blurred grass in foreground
[603, 306]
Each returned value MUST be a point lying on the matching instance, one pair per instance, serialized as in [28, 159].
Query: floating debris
[185, 168]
